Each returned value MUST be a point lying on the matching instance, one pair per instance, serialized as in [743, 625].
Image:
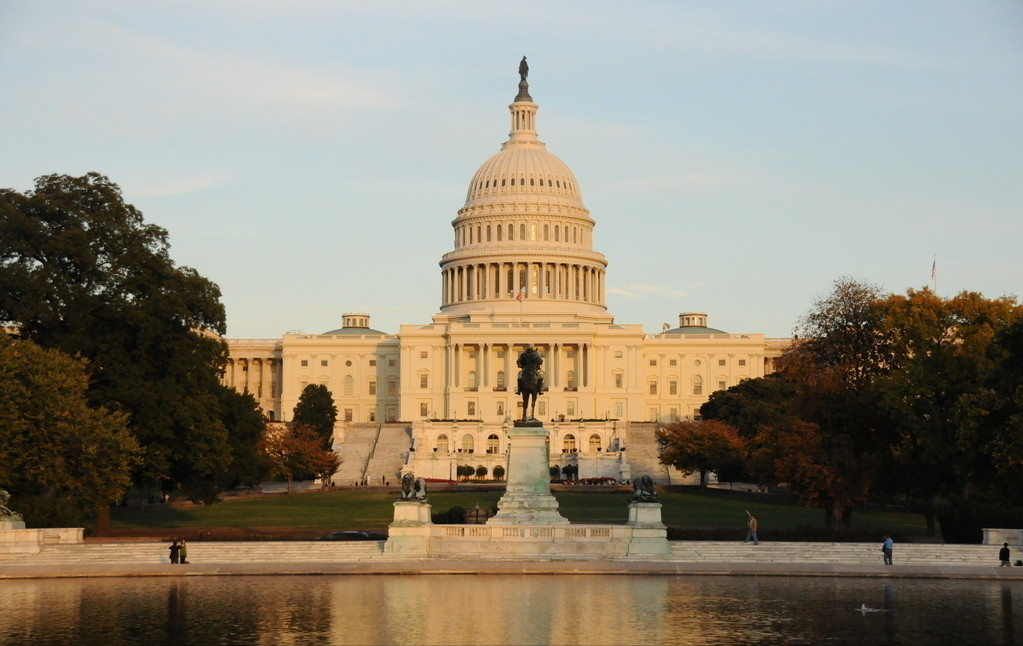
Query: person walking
[751, 529]
[886, 549]
[1004, 556]
[175, 551]
[184, 552]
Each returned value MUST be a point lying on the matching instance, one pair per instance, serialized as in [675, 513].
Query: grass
[713, 515]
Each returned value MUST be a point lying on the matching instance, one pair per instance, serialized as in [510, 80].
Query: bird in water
[863, 608]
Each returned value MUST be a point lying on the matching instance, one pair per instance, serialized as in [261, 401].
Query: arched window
[568, 444]
[511, 231]
[442, 443]
[522, 232]
[500, 379]
[571, 379]
[349, 387]
[471, 379]
[488, 233]
[467, 444]
[697, 385]
[493, 443]
[546, 232]
[594, 443]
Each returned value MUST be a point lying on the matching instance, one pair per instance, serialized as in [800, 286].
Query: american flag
[934, 268]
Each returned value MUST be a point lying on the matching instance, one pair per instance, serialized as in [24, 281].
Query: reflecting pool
[509, 609]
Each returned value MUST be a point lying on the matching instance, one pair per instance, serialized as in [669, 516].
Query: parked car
[348, 535]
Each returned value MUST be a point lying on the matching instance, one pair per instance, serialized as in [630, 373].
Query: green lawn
[718, 514]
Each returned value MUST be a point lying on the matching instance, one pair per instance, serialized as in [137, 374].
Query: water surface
[509, 609]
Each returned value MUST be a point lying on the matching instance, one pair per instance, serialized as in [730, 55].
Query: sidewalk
[23, 570]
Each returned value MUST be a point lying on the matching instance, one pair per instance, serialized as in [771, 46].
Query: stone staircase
[389, 453]
[373, 450]
[205, 552]
[725, 552]
[355, 451]
[643, 455]
[847, 553]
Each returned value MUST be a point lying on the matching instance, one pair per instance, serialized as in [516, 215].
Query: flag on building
[521, 294]
[934, 268]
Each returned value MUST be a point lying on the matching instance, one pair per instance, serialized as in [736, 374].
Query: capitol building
[522, 270]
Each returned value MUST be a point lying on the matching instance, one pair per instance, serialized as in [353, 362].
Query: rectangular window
[372, 388]
[672, 387]
[618, 380]
[424, 409]
[674, 414]
[390, 363]
[618, 354]
[672, 362]
[305, 362]
[541, 408]
[653, 362]
[722, 385]
[619, 410]
[372, 416]
[372, 362]
[721, 362]
[424, 354]
[471, 409]
[348, 414]
[392, 387]
[653, 387]
[571, 407]
[424, 380]
[742, 362]
[500, 409]
[323, 362]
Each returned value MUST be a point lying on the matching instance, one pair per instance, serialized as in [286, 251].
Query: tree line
[111, 361]
[903, 398]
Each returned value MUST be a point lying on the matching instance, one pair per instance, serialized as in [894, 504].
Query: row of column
[254, 376]
[486, 364]
[542, 280]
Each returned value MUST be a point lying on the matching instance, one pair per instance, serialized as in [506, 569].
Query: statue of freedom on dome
[523, 68]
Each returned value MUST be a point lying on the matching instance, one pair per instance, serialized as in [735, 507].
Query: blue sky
[308, 156]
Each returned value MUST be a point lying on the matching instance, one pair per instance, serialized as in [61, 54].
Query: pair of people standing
[179, 552]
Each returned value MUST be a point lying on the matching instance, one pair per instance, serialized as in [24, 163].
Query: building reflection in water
[508, 609]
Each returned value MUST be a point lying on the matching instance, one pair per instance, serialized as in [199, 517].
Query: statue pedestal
[527, 499]
[649, 533]
[410, 531]
[9, 523]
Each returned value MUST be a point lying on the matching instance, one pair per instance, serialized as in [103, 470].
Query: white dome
[523, 171]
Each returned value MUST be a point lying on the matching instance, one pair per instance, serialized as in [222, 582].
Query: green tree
[839, 350]
[754, 408]
[240, 413]
[499, 472]
[82, 272]
[316, 409]
[60, 458]
[701, 447]
[481, 472]
[934, 396]
[293, 450]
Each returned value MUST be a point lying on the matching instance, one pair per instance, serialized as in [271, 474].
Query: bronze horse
[530, 381]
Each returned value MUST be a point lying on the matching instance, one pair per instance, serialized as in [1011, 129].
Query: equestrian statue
[530, 380]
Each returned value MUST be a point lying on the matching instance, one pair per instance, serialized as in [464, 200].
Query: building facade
[522, 271]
